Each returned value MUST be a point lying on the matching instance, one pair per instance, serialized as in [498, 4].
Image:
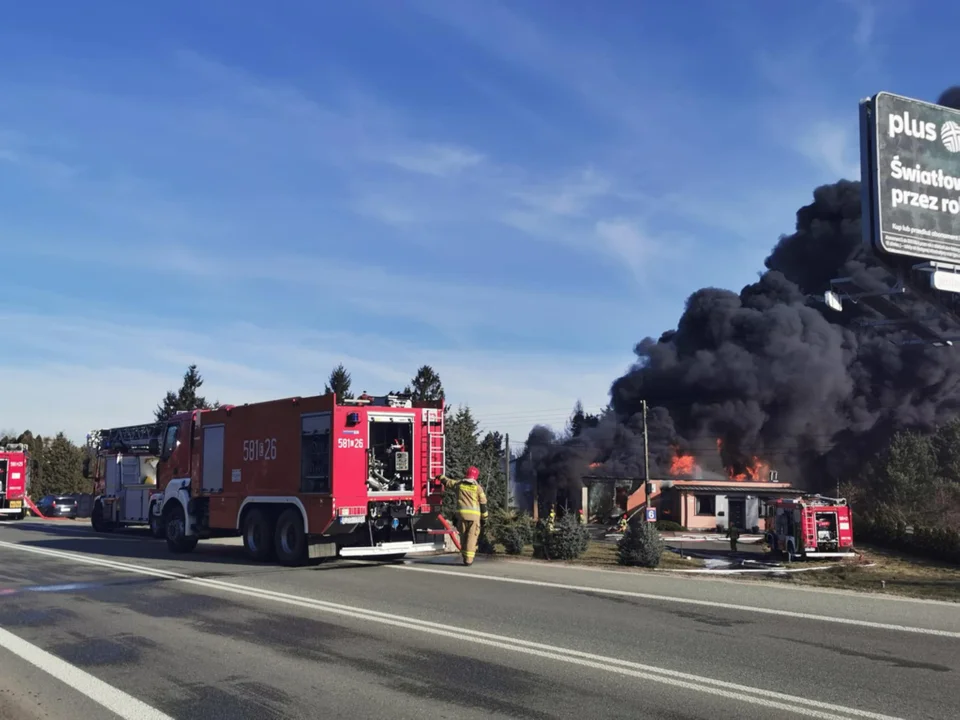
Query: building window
[706, 504]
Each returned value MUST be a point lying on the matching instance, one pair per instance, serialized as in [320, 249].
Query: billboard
[910, 177]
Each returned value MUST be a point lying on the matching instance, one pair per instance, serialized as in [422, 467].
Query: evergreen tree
[462, 431]
[947, 447]
[465, 448]
[580, 420]
[491, 459]
[62, 469]
[35, 445]
[425, 385]
[339, 382]
[186, 398]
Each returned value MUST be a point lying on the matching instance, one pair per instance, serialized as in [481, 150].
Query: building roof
[725, 483]
[754, 488]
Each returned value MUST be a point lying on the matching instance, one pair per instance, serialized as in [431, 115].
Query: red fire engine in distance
[14, 480]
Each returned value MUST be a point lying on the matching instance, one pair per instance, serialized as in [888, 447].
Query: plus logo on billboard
[950, 136]
[910, 157]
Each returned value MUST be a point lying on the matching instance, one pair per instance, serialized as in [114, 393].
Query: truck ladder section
[130, 438]
[435, 449]
[810, 531]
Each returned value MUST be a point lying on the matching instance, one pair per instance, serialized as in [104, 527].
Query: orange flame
[757, 470]
[683, 464]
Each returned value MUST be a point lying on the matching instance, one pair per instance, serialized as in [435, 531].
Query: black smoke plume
[771, 372]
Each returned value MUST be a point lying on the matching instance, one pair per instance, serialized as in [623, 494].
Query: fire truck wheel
[258, 535]
[175, 526]
[290, 540]
[157, 529]
[96, 518]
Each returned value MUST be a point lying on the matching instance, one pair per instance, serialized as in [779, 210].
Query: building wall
[694, 521]
[721, 516]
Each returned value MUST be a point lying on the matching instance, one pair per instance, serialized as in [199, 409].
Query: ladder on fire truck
[131, 438]
[434, 445]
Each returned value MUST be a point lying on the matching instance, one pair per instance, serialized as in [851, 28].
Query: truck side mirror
[154, 446]
[86, 468]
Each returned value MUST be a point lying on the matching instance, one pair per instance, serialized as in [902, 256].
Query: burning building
[779, 378]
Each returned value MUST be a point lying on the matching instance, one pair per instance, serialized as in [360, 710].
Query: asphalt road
[112, 626]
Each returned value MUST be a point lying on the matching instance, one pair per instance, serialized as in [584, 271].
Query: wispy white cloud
[627, 241]
[460, 309]
[589, 69]
[105, 374]
[437, 160]
[865, 25]
[832, 147]
[225, 112]
[566, 197]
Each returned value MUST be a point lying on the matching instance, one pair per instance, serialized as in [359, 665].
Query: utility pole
[646, 454]
[506, 474]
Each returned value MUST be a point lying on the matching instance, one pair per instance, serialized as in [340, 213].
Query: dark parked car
[58, 506]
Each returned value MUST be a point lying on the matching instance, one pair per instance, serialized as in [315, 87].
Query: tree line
[56, 463]
[908, 498]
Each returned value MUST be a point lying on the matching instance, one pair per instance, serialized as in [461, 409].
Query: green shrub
[641, 546]
[670, 526]
[511, 529]
[568, 541]
[514, 532]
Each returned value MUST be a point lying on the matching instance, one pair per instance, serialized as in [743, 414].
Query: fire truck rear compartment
[390, 468]
[827, 536]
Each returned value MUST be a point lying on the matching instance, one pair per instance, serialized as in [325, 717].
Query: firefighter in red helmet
[471, 511]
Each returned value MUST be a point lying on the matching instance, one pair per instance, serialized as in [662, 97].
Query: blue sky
[514, 193]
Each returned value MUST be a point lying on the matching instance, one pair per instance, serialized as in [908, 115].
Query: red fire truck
[14, 480]
[813, 526]
[305, 477]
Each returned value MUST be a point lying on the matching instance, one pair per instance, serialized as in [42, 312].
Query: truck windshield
[170, 441]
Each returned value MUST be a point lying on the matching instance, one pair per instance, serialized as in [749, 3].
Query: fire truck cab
[814, 526]
[306, 477]
[14, 480]
[122, 462]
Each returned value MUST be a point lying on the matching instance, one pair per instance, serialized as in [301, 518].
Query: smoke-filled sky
[515, 193]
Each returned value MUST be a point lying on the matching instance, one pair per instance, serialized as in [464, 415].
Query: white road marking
[732, 691]
[682, 600]
[123, 705]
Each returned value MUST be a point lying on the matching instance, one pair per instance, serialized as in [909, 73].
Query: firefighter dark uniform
[471, 511]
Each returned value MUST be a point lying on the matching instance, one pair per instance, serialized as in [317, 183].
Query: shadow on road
[136, 545]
